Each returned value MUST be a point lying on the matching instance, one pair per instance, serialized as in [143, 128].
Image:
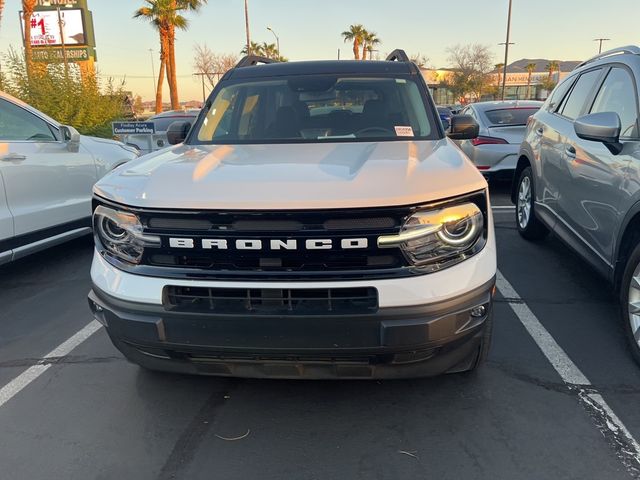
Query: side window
[575, 103]
[18, 125]
[618, 95]
[559, 93]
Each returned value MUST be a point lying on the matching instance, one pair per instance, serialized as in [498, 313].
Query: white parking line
[625, 445]
[14, 387]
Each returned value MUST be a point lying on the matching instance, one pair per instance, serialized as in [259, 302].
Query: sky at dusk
[310, 29]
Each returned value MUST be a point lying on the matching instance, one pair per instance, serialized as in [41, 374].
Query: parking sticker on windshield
[404, 131]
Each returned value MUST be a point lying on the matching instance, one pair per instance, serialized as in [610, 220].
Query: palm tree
[552, 66]
[157, 12]
[256, 49]
[355, 34]
[177, 21]
[530, 68]
[369, 41]
[499, 68]
[28, 6]
[270, 50]
[165, 16]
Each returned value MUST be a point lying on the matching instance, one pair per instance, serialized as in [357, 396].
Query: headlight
[121, 234]
[441, 237]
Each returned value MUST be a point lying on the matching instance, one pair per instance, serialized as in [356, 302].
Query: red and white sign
[46, 28]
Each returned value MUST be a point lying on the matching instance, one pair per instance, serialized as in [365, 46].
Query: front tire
[630, 302]
[528, 224]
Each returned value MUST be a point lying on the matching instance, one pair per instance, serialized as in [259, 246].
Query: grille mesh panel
[268, 301]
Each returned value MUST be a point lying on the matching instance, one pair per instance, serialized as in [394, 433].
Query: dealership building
[516, 83]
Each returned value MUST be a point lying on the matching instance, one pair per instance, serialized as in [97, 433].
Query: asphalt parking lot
[557, 399]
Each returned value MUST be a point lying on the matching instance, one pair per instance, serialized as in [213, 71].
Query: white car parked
[316, 222]
[47, 172]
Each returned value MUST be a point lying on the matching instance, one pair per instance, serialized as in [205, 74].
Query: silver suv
[578, 173]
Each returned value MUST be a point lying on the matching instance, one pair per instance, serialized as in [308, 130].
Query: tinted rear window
[509, 116]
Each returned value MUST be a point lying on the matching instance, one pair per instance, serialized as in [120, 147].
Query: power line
[134, 76]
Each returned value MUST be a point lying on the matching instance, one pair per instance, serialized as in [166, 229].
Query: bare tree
[212, 65]
[421, 60]
[472, 64]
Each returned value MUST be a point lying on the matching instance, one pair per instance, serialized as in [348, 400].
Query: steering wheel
[369, 130]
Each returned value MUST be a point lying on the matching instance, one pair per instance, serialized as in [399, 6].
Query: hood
[105, 141]
[293, 176]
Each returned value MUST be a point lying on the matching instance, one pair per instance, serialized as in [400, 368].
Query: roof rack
[398, 55]
[251, 60]
[632, 49]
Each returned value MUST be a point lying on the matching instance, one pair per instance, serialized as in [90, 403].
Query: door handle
[570, 151]
[540, 131]
[13, 157]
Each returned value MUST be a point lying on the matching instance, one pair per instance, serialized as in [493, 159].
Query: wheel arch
[630, 237]
[523, 162]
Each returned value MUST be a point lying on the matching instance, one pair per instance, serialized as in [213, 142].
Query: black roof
[320, 67]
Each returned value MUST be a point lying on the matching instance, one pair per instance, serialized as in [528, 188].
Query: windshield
[316, 109]
[510, 116]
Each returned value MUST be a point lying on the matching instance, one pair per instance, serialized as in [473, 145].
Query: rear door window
[576, 102]
[618, 95]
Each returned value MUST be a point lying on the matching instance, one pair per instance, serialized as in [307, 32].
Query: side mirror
[177, 132]
[463, 127]
[71, 137]
[599, 127]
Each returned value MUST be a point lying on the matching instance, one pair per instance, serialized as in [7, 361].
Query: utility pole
[338, 54]
[153, 70]
[277, 40]
[246, 25]
[506, 51]
[600, 40]
[202, 75]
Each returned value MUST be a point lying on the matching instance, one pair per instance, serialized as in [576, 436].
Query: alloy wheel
[634, 304]
[524, 202]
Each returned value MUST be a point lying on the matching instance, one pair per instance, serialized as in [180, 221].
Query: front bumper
[395, 342]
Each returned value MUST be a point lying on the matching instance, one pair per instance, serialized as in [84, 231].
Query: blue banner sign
[133, 128]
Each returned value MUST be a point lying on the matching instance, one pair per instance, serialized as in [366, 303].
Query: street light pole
[506, 52]
[246, 25]
[277, 39]
[600, 40]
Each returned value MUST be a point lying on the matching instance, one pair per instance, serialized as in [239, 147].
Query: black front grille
[296, 261]
[290, 258]
[270, 301]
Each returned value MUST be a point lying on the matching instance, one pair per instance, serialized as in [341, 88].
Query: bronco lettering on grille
[275, 244]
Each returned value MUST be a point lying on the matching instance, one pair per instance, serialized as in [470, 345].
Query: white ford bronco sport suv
[314, 222]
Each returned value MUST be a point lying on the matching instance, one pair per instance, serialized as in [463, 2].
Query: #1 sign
[133, 128]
